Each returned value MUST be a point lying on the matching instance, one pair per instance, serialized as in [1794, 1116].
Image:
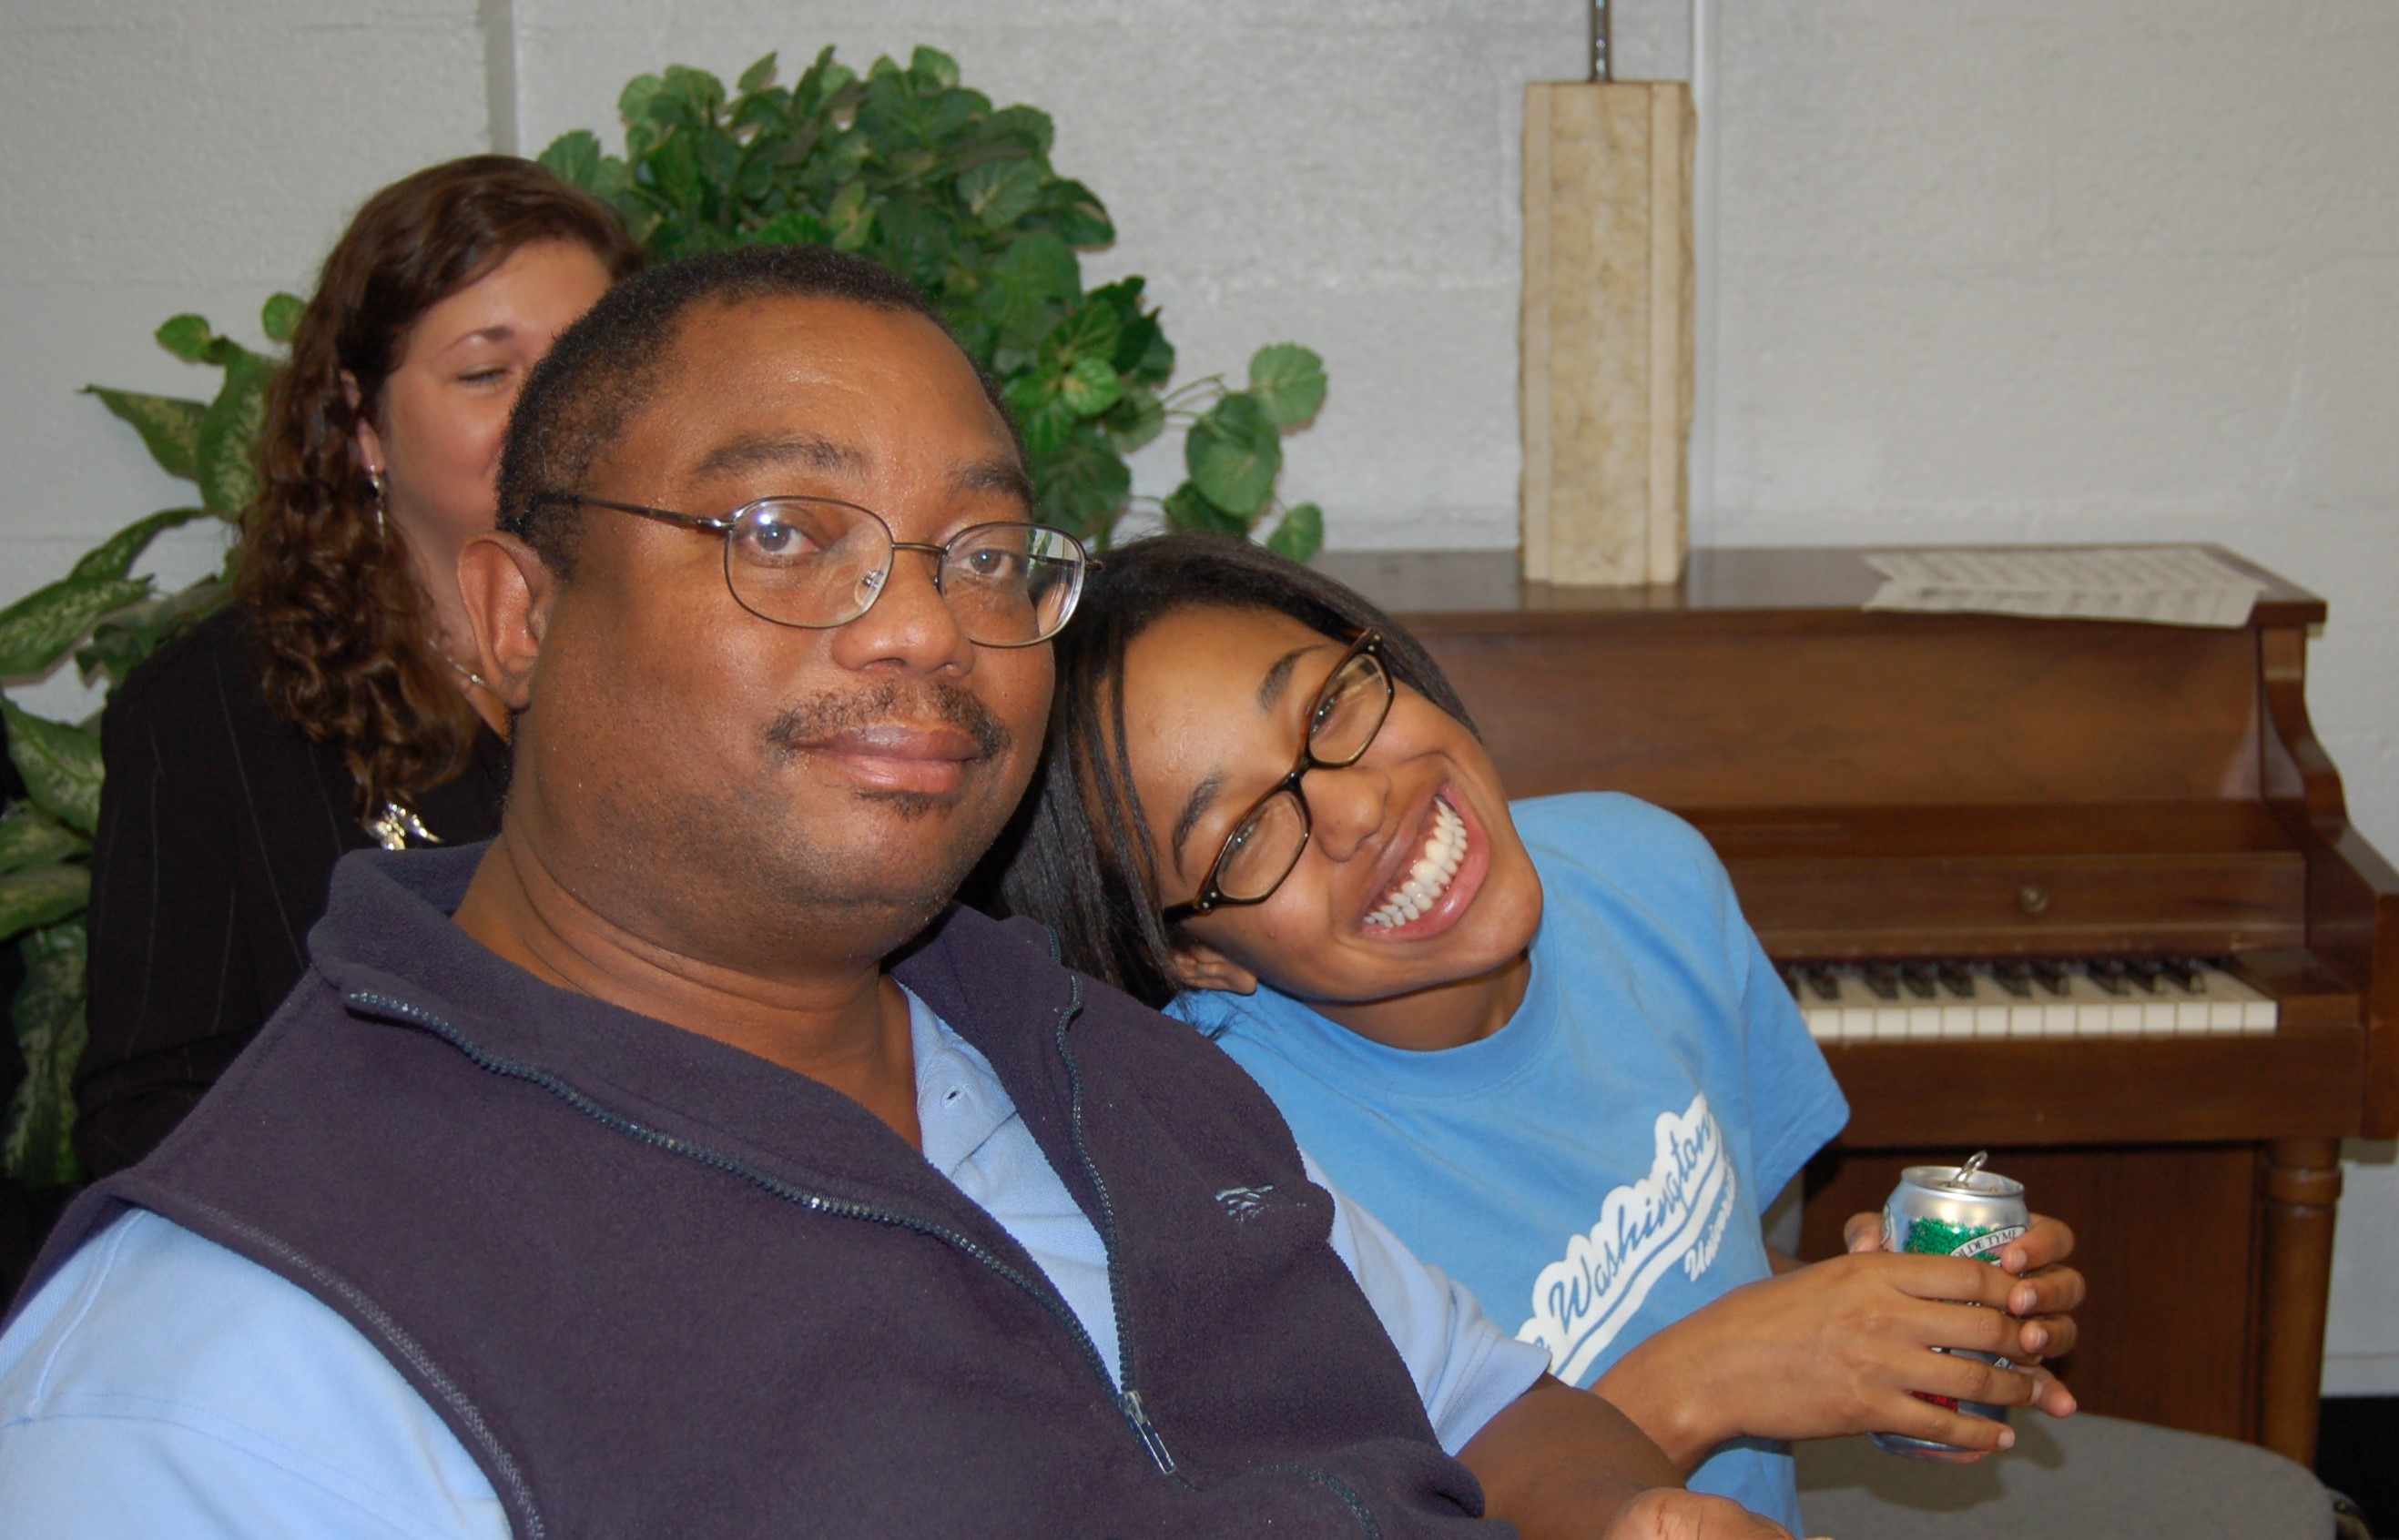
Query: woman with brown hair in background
[329, 707]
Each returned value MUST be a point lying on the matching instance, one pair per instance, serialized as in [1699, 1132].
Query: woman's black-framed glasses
[1268, 839]
[818, 563]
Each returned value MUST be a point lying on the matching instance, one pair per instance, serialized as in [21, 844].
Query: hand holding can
[1960, 1212]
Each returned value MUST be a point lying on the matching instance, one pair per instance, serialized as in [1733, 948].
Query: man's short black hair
[605, 368]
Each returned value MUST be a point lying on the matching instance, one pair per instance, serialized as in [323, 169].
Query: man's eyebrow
[1000, 476]
[771, 451]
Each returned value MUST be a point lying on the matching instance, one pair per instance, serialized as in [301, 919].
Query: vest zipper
[1128, 1403]
[1128, 1396]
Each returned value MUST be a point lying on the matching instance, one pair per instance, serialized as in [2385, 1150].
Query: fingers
[2045, 1337]
[2052, 1395]
[1862, 1232]
[1962, 1377]
[2044, 1244]
[2050, 1291]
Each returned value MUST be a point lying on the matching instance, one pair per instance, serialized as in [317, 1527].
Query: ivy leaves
[911, 168]
[108, 619]
[1234, 453]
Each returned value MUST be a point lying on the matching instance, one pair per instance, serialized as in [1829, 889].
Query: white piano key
[2157, 1015]
[1823, 1022]
[1990, 1020]
[2257, 1016]
[1923, 1021]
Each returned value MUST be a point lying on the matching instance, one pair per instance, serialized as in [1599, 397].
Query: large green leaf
[1136, 419]
[279, 317]
[1301, 534]
[1287, 381]
[1233, 455]
[932, 67]
[169, 426]
[1089, 387]
[41, 628]
[757, 78]
[1035, 275]
[61, 765]
[1084, 485]
[189, 337]
[127, 638]
[574, 157]
[1185, 509]
[49, 1013]
[114, 556]
[41, 895]
[998, 193]
[1043, 418]
[228, 474]
[30, 837]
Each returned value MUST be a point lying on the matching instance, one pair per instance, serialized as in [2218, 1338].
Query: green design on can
[1936, 1237]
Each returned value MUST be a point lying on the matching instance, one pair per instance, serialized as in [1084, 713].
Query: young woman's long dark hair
[334, 601]
[1077, 857]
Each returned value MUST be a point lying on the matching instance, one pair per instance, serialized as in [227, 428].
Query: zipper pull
[1131, 1402]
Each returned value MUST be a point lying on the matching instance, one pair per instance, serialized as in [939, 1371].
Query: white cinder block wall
[2043, 272]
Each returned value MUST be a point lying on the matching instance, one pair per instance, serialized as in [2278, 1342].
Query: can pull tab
[1971, 1167]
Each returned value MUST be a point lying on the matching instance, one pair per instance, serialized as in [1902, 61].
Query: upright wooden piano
[2081, 893]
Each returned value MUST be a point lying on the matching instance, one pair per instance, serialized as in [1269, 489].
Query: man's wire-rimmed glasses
[1267, 841]
[818, 563]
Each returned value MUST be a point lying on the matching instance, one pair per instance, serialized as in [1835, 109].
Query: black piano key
[1825, 983]
[2182, 971]
[1883, 979]
[1919, 979]
[1791, 983]
[2051, 976]
[2146, 972]
[2107, 973]
[1957, 980]
[2016, 977]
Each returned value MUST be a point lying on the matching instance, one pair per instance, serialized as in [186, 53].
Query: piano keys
[1901, 799]
[2043, 998]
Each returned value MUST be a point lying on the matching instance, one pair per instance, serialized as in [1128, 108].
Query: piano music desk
[1890, 787]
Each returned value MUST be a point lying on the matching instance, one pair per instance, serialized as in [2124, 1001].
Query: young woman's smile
[1413, 882]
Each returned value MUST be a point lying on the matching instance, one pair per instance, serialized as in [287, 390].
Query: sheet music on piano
[2160, 585]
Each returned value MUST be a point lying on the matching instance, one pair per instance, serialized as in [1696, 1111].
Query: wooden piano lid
[1438, 591]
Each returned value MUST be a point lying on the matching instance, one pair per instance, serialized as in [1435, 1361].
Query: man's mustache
[828, 716]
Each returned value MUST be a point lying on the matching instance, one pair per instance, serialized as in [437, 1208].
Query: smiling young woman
[332, 706]
[1537, 1038]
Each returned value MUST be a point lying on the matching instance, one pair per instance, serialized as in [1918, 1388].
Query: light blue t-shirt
[1595, 1169]
[161, 1384]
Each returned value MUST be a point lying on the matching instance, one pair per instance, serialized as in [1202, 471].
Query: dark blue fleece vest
[659, 1288]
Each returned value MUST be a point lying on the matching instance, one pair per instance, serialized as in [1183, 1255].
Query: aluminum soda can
[1952, 1212]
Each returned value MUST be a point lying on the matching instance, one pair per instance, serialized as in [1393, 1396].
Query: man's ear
[1200, 965]
[508, 590]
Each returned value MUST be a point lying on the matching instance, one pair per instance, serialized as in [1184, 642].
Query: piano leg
[2302, 1182]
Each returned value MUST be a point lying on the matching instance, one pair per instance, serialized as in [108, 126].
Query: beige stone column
[1607, 389]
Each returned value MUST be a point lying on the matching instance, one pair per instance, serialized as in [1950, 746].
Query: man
[681, 1163]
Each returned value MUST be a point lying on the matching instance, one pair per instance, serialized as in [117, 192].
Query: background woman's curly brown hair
[345, 626]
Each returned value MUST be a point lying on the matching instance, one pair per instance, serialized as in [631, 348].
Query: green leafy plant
[903, 166]
[107, 619]
[909, 167]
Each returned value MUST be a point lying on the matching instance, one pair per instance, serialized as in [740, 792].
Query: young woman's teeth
[1430, 878]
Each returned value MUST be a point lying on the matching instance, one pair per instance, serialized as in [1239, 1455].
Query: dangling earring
[374, 480]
